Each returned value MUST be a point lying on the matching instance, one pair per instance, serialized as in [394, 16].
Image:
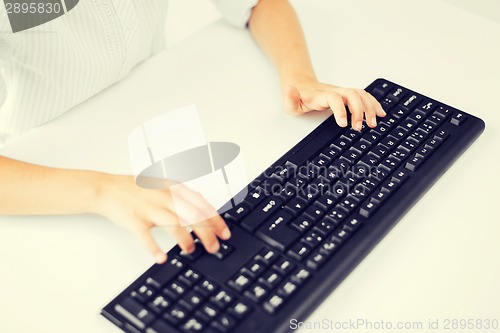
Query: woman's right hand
[138, 209]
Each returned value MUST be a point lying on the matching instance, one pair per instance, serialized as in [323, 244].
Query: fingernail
[214, 247]
[374, 121]
[383, 113]
[358, 125]
[343, 122]
[226, 234]
[190, 249]
[161, 258]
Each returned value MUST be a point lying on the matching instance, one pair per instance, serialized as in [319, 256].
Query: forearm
[32, 189]
[276, 29]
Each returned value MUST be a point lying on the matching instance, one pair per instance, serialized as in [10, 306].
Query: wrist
[298, 80]
[101, 185]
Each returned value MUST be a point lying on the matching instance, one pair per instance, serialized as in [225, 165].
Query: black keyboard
[306, 222]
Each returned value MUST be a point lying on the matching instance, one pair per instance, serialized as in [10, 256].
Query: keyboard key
[458, 119]
[302, 223]
[340, 235]
[368, 209]
[401, 176]
[328, 247]
[400, 112]
[189, 277]
[273, 303]
[389, 122]
[428, 126]
[362, 145]
[316, 260]
[261, 213]
[411, 102]
[267, 256]
[372, 136]
[165, 272]
[309, 193]
[277, 233]
[341, 144]
[326, 201]
[271, 278]
[410, 144]
[257, 292]
[315, 212]
[224, 323]
[207, 312]
[190, 257]
[255, 197]
[159, 304]
[441, 134]
[352, 224]
[175, 314]
[400, 153]
[379, 196]
[222, 298]
[240, 281]
[143, 293]
[284, 266]
[426, 106]
[409, 124]
[288, 289]
[237, 213]
[191, 300]
[175, 289]
[300, 276]
[312, 238]
[388, 103]
[254, 268]
[443, 111]
[381, 89]
[399, 133]
[380, 151]
[160, 326]
[239, 310]
[299, 251]
[332, 152]
[324, 227]
[224, 250]
[414, 163]
[398, 94]
[192, 325]
[205, 287]
[295, 206]
[135, 312]
[433, 143]
[423, 153]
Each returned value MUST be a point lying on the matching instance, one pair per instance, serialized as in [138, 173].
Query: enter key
[277, 232]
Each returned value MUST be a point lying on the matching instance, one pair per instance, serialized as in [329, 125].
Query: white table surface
[440, 262]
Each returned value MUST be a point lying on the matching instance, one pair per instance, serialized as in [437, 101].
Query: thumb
[148, 240]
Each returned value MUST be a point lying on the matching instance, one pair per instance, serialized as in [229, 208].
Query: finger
[338, 108]
[292, 101]
[205, 212]
[378, 108]
[370, 109]
[169, 221]
[145, 235]
[184, 238]
[207, 236]
[353, 101]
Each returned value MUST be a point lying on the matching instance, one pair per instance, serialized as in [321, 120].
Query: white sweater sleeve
[236, 12]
